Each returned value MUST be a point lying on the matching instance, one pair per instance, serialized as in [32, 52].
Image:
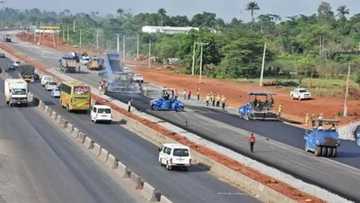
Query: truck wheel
[168, 167]
[329, 151]
[323, 151]
[334, 152]
[317, 151]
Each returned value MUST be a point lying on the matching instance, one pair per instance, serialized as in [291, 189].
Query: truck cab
[16, 92]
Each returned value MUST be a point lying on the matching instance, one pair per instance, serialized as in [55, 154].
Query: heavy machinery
[322, 138]
[16, 92]
[7, 38]
[167, 102]
[259, 107]
[27, 72]
[69, 63]
[95, 64]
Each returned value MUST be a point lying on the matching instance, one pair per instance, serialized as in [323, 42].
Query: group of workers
[215, 99]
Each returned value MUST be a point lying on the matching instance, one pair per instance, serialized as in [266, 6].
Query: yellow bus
[75, 96]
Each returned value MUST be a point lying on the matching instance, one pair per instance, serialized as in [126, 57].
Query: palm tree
[252, 6]
[342, 12]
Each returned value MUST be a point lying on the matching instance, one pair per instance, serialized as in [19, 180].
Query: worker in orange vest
[252, 140]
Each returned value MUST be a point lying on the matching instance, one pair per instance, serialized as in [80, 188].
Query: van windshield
[107, 111]
[19, 91]
[181, 152]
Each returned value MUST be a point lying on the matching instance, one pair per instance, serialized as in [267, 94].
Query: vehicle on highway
[75, 96]
[45, 79]
[85, 59]
[69, 63]
[27, 72]
[322, 138]
[95, 64]
[300, 94]
[7, 38]
[174, 155]
[2, 55]
[259, 107]
[138, 78]
[357, 135]
[55, 92]
[50, 86]
[167, 102]
[16, 92]
[101, 113]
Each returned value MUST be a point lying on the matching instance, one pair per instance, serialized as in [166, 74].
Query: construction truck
[69, 63]
[16, 92]
[27, 72]
[259, 107]
[95, 64]
[322, 137]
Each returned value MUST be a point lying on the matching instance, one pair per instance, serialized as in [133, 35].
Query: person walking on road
[252, 140]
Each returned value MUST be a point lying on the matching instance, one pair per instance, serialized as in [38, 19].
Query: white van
[45, 79]
[101, 113]
[174, 155]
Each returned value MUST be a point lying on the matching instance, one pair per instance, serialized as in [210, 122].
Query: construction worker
[184, 94]
[223, 102]
[218, 98]
[280, 110]
[198, 94]
[189, 95]
[252, 140]
[207, 99]
[129, 105]
[212, 99]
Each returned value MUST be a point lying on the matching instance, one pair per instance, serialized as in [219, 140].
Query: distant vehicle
[27, 72]
[50, 86]
[357, 135]
[101, 113]
[168, 102]
[75, 96]
[16, 63]
[85, 60]
[55, 92]
[8, 38]
[69, 63]
[2, 55]
[126, 69]
[16, 92]
[174, 155]
[95, 64]
[322, 138]
[259, 107]
[138, 78]
[300, 93]
[45, 79]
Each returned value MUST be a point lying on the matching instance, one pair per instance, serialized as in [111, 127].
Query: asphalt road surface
[39, 164]
[224, 129]
[195, 185]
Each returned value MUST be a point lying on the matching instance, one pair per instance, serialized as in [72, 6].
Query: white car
[45, 79]
[55, 92]
[138, 78]
[50, 86]
[85, 60]
[300, 93]
[101, 113]
[174, 155]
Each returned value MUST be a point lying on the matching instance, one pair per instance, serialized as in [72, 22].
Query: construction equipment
[95, 64]
[259, 107]
[167, 102]
[322, 138]
[69, 63]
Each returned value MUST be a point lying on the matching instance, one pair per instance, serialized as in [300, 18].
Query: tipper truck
[69, 63]
[27, 72]
[16, 92]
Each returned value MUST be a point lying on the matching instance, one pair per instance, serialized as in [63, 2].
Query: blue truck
[259, 107]
[167, 102]
[322, 138]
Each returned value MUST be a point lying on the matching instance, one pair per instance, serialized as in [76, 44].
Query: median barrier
[58, 119]
[75, 133]
[96, 149]
[111, 161]
[53, 115]
[103, 154]
[70, 127]
[139, 183]
[120, 169]
[127, 173]
[88, 142]
[150, 193]
[81, 137]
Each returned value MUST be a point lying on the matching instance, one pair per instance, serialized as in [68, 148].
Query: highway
[339, 176]
[39, 164]
[196, 185]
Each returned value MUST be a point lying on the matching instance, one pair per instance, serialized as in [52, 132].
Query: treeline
[321, 44]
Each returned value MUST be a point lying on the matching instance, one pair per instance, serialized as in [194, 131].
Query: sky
[226, 9]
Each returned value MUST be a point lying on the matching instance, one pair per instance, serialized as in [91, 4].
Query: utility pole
[63, 34]
[97, 39]
[137, 46]
[117, 43]
[54, 41]
[201, 58]
[149, 56]
[80, 39]
[347, 91]
[262, 67]
[74, 26]
[68, 36]
[124, 51]
[34, 35]
[193, 60]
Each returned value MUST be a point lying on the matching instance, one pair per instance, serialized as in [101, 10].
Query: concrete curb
[103, 156]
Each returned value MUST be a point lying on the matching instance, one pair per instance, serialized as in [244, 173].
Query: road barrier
[88, 142]
[103, 154]
[111, 161]
[96, 149]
